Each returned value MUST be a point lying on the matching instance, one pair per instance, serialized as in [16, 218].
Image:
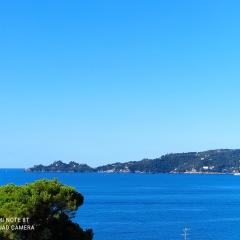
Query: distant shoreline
[73, 172]
[133, 173]
[219, 161]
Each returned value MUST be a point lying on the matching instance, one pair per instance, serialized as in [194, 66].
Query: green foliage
[48, 204]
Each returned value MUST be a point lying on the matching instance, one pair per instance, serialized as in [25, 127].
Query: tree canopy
[47, 205]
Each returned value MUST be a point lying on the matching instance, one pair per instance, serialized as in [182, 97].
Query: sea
[150, 206]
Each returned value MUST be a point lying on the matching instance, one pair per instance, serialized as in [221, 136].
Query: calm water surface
[151, 206]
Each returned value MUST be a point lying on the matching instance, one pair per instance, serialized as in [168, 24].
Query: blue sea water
[151, 206]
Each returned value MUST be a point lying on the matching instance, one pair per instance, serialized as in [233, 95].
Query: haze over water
[151, 206]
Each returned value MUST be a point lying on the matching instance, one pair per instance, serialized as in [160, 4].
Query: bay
[150, 206]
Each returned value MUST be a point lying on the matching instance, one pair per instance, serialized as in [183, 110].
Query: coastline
[107, 172]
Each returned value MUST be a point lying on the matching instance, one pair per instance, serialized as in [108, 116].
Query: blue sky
[105, 81]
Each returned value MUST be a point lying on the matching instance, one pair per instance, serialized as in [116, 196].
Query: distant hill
[59, 166]
[212, 161]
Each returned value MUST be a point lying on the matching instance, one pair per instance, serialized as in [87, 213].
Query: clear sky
[119, 80]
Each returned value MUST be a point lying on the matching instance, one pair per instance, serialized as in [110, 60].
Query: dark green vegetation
[48, 204]
[59, 166]
[213, 161]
